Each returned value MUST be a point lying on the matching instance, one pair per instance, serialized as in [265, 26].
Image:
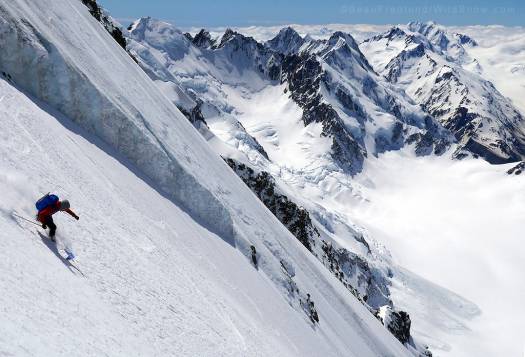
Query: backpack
[46, 201]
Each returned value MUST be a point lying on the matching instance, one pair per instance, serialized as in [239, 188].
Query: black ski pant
[52, 226]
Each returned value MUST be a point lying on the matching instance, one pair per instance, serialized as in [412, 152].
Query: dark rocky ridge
[343, 264]
[96, 11]
[518, 169]
[304, 75]
[202, 39]
[293, 217]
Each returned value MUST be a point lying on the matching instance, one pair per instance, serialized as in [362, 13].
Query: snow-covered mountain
[224, 76]
[166, 228]
[295, 117]
[434, 68]
[330, 81]
[224, 186]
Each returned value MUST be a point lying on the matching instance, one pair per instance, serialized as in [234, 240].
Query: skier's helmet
[64, 205]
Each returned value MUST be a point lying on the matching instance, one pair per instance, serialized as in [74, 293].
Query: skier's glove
[77, 218]
[44, 226]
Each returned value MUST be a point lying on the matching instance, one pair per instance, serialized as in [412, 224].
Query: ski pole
[27, 220]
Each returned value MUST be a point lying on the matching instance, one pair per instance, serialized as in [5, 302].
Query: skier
[49, 205]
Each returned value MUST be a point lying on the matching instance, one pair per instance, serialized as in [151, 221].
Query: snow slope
[151, 273]
[165, 228]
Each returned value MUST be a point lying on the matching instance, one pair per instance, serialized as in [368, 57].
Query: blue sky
[210, 13]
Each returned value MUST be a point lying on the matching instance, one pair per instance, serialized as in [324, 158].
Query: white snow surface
[165, 226]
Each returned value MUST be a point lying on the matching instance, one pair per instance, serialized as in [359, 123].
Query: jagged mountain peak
[232, 35]
[396, 31]
[286, 41]
[340, 49]
[465, 40]
[393, 33]
[288, 31]
[203, 39]
[346, 37]
[228, 35]
[234, 41]
[149, 23]
[431, 30]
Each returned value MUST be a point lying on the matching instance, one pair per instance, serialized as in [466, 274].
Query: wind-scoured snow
[165, 226]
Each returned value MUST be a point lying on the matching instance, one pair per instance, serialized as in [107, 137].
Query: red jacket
[51, 210]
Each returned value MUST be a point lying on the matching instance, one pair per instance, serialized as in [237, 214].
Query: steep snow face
[430, 67]
[166, 228]
[136, 124]
[153, 281]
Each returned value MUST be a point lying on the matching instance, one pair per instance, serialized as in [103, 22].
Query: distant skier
[47, 206]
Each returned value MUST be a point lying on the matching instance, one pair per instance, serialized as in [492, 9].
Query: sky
[213, 13]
